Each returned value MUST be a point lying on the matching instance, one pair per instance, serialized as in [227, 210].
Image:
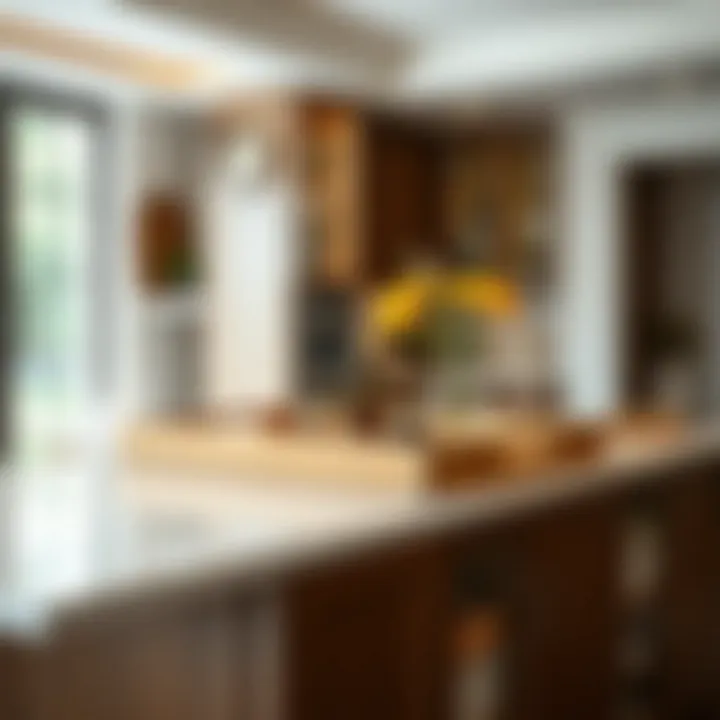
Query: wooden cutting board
[472, 453]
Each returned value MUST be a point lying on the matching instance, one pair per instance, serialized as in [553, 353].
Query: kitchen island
[348, 604]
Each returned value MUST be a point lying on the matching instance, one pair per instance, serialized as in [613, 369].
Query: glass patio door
[56, 275]
[52, 214]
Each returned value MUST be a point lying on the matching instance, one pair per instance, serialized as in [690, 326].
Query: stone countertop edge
[425, 516]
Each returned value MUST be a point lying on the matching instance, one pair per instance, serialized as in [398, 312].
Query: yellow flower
[485, 294]
[401, 307]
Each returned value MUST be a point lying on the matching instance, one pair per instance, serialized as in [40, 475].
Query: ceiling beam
[141, 67]
[295, 26]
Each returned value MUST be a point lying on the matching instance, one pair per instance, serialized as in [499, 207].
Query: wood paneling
[145, 67]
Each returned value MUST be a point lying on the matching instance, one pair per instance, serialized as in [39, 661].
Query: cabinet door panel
[173, 664]
[690, 681]
[365, 640]
[564, 632]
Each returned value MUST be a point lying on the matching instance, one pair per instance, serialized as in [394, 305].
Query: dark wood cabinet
[187, 662]
[374, 639]
[374, 634]
[689, 626]
[564, 618]
[405, 194]
[366, 639]
[551, 579]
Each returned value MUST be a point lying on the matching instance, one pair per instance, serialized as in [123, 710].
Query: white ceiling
[427, 48]
[437, 49]
[238, 60]
[305, 28]
[429, 21]
[569, 50]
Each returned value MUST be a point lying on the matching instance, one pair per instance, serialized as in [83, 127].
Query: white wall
[599, 144]
[251, 244]
[168, 158]
[169, 149]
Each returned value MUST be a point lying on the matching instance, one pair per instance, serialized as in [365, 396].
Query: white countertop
[77, 547]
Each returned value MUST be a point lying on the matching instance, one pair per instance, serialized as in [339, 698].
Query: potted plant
[434, 329]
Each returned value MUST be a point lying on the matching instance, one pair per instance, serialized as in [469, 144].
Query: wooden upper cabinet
[497, 194]
[405, 197]
[382, 191]
[372, 194]
[333, 139]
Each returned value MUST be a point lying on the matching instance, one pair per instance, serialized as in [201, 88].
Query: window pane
[51, 261]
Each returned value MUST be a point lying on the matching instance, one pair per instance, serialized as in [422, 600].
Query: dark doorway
[673, 274]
